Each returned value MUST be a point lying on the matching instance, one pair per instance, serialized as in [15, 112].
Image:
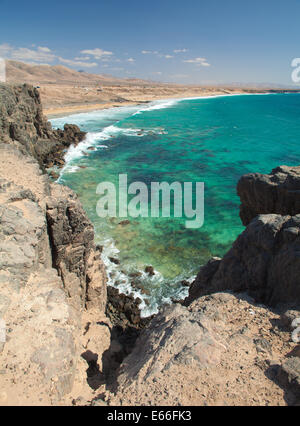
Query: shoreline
[65, 111]
[72, 343]
[110, 266]
[135, 292]
[59, 112]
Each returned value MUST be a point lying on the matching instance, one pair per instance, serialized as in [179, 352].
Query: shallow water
[210, 140]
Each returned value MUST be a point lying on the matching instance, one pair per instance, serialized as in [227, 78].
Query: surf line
[184, 196]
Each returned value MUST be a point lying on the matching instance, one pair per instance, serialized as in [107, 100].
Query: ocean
[212, 140]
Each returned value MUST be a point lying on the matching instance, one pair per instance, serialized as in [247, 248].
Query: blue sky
[190, 41]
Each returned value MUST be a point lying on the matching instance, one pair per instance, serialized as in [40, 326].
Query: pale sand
[65, 91]
[60, 100]
[68, 110]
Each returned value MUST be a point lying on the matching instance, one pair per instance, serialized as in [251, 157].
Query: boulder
[264, 261]
[214, 352]
[289, 375]
[278, 193]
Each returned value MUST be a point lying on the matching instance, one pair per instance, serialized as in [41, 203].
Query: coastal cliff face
[52, 278]
[264, 260]
[221, 350]
[278, 193]
[23, 124]
[222, 347]
[223, 336]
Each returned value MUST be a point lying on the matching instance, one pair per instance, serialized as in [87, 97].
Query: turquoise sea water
[210, 140]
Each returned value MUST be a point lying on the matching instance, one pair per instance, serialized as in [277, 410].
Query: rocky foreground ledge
[230, 344]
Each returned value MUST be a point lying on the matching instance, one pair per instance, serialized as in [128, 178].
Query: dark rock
[149, 270]
[73, 251]
[124, 222]
[114, 260]
[22, 121]
[288, 317]
[203, 280]
[289, 374]
[135, 274]
[138, 284]
[54, 175]
[278, 192]
[123, 310]
[264, 261]
[99, 248]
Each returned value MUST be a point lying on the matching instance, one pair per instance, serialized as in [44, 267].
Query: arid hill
[19, 72]
[65, 91]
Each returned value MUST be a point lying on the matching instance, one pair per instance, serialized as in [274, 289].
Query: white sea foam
[94, 139]
[117, 278]
[152, 106]
[108, 132]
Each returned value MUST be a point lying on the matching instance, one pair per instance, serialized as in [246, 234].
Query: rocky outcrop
[51, 277]
[124, 310]
[278, 193]
[23, 124]
[74, 253]
[63, 336]
[202, 283]
[40, 323]
[264, 261]
[221, 350]
[289, 375]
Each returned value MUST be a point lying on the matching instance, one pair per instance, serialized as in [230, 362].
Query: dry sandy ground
[66, 91]
[65, 99]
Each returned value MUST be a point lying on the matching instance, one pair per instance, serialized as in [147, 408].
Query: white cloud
[73, 63]
[40, 54]
[130, 60]
[97, 53]
[198, 61]
[180, 50]
[82, 58]
[179, 76]
[155, 52]
[157, 73]
[44, 49]
[149, 52]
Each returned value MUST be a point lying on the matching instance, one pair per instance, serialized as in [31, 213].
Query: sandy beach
[61, 100]
[64, 91]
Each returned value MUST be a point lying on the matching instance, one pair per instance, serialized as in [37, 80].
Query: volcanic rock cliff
[265, 259]
[51, 272]
[223, 345]
[227, 345]
[23, 124]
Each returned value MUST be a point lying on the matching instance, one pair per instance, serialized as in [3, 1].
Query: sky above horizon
[188, 42]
